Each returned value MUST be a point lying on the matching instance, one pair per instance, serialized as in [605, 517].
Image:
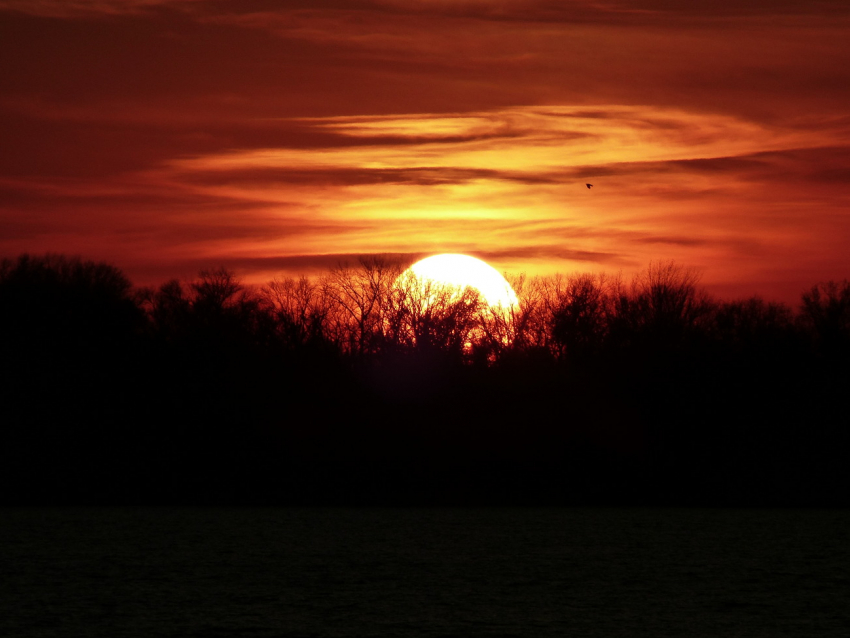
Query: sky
[285, 138]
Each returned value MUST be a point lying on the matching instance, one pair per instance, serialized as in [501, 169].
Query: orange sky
[281, 138]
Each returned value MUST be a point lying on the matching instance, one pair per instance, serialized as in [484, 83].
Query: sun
[463, 271]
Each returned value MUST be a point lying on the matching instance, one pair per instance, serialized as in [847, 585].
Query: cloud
[516, 200]
[729, 57]
[163, 132]
[261, 270]
[322, 262]
[332, 176]
[548, 253]
[678, 241]
[631, 12]
[86, 8]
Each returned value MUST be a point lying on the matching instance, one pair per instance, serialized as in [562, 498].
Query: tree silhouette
[826, 312]
[514, 332]
[169, 308]
[214, 311]
[576, 308]
[357, 299]
[366, 387]
[431, 316]
[660, 310]
[753, 327]
[300, 311]
[55, 299]
[70, 340]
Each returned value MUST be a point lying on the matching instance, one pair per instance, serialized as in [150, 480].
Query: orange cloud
[265, 135]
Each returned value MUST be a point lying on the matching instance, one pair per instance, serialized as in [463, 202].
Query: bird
[589, 185]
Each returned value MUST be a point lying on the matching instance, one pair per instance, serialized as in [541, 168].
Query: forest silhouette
[351, 389]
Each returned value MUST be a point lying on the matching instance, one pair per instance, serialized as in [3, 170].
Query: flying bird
[589, 185]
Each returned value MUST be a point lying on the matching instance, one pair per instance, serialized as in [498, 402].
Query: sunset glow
[167, 136]
[461, 271]
[383, 255]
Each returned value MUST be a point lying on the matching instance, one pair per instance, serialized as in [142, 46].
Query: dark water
[424, 572]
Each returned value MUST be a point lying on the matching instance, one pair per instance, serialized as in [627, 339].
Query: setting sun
[451, 295]
[463, 271]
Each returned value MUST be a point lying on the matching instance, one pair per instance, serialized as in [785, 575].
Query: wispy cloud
[520, 199]
[284, 135]
[86, 8]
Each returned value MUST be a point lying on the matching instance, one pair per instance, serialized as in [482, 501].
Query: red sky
[278, 138]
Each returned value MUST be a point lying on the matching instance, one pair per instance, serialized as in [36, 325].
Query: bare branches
[578, 311]
[826, 311]
[357, 299]
[300, 310]
[377, 308]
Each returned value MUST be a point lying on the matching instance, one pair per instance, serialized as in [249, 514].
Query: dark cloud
[510, 10]
[341, 176]
[77, 9]
[747, 163]
[229, 225]
[823, 165]
[548, 252]
[830, 164]
[640, 12]
[677, 241]
[116, 196]
[312, 264]
[288, 265]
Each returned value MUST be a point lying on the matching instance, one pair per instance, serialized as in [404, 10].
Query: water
[424, 572]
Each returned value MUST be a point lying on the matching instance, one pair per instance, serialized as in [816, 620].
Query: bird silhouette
[589, 185]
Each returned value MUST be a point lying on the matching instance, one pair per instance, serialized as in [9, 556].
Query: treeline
[361, 388]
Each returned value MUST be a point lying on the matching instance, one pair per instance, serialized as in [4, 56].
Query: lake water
[424, 572]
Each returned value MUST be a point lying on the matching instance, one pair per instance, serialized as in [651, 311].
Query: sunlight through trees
[304, 390]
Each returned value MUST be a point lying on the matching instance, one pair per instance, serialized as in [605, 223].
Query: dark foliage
[364, 388]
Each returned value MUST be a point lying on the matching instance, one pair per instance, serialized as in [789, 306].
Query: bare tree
[357, 299]
[427, 315]
[826, 312]
[216, 307]
[517, 327]
[217, 288]
[577, 313]
[300, 309]
[751, 322]
[663, 305]
[169, 308]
